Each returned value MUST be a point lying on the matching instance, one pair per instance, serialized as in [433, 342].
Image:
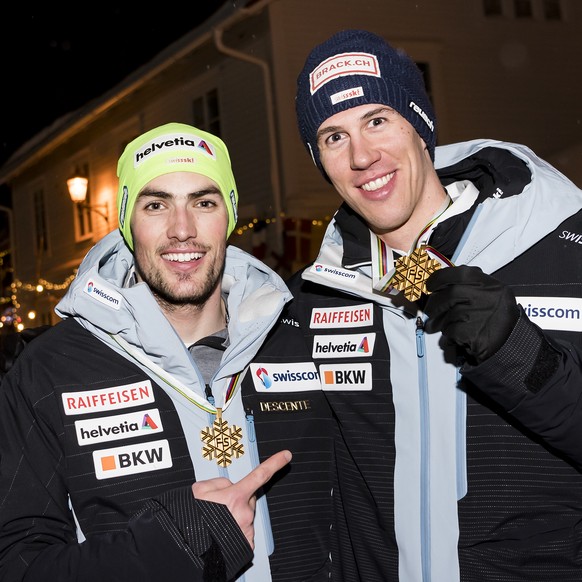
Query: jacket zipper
[261, 509]
[424, 453]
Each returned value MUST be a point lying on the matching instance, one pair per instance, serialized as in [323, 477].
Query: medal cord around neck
[176, 384]
[384, 254]
[432, 224]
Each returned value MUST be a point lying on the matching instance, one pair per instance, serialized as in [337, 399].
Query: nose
[363, 153]
[182, 224]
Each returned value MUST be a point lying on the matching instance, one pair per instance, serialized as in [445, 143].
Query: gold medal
[221, 441]
[411, 273]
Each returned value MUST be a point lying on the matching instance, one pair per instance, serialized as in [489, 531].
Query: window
[41, 234]
[523, 8]
[206, 112]
[492, 8]
[83, 222]
[552, 9]
[425, 68]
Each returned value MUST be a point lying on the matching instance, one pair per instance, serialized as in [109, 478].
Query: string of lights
[12, 303]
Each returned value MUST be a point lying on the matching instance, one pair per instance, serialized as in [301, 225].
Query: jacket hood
[100, 300]
[521, 199]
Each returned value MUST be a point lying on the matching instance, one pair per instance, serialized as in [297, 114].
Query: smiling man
[131, 434]
[458, 418]
[179, 227]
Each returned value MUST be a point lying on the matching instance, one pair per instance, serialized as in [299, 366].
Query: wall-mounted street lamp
[78, 192]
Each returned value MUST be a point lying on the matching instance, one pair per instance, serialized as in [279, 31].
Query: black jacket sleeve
[538, 380]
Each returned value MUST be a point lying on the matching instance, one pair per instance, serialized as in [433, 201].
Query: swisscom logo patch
[294, 377]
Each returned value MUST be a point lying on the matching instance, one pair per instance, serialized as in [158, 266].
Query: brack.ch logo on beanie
[357, 67]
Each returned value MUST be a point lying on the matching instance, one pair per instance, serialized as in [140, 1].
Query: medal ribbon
[408, 273]
[220, 441]
[176, 384]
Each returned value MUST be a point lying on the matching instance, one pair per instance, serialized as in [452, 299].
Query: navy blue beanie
[357, 67]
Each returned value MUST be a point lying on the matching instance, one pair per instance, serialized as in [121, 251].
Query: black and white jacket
[448, 474]
[101, 425]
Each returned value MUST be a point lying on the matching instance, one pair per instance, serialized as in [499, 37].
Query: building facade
[501, 69]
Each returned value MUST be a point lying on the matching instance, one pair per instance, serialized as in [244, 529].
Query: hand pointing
[240, 498]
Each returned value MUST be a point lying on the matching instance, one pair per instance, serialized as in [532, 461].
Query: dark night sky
[55, 59]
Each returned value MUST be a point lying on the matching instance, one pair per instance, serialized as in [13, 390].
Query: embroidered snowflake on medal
[412, 271]
[222, 441]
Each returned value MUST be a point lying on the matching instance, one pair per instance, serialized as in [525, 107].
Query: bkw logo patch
[132, 459]
[346, 376]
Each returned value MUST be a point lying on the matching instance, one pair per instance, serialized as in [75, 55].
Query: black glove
[473, 310]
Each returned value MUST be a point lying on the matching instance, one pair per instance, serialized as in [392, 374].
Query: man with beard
[127, 449]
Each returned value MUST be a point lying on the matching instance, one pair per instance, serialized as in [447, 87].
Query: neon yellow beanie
[174, 147]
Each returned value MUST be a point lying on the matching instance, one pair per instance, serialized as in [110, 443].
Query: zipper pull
[209, 395]
[419, 337]
[251, 428]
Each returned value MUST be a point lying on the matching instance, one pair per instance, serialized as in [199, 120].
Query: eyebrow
[377, 111]
[368, 115]
[148, 192]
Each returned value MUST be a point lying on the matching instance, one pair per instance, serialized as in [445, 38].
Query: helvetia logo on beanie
[171, 142]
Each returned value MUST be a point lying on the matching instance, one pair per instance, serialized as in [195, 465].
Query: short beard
[168, 301]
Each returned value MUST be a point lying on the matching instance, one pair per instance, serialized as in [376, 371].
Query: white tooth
[182, 257]
[378, 183]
